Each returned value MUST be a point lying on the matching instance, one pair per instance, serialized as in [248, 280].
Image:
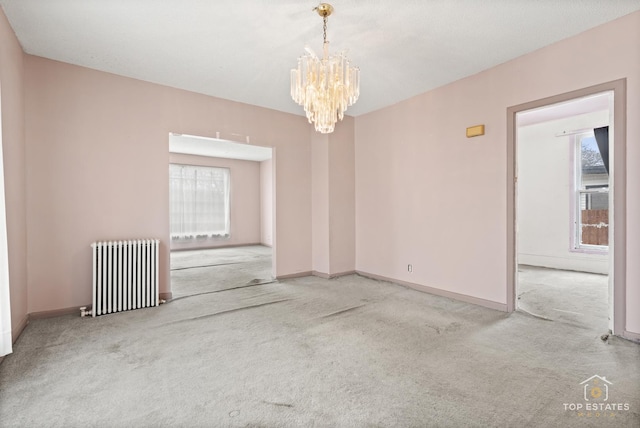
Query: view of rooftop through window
[590, 155]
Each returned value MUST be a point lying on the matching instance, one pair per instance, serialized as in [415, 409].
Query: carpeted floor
[214, 270]
[577, 298]
[348, 352]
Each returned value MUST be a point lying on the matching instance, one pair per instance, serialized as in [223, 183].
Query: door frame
[617, 234]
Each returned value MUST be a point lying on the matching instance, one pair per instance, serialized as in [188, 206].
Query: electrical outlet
[410, 267]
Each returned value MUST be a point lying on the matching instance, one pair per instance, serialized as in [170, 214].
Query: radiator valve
[84, 312]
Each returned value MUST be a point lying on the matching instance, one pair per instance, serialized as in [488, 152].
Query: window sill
[199, 238]
[601, 251]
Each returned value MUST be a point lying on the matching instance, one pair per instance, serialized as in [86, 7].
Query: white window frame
[576, 193]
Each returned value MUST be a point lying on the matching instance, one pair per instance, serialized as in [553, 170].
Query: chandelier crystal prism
[325, 87]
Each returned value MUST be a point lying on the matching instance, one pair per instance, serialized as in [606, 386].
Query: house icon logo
[596, 402]
[596, 388]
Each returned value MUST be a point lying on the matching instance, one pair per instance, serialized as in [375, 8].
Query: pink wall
[13, 147]
[244, 201]
[333, 200]
[427, 195]
[97, 154]
[342, 207]
[320, 203]
[96, 150]
[266, 203]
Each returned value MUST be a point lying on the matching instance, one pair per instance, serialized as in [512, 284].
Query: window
[591, 195]
[199, 201]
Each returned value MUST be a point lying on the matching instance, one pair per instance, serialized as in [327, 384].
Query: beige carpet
[577, 298]
[349, 352]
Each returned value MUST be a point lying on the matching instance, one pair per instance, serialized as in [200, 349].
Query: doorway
[222, 214]
[562, 212]
[611, 260]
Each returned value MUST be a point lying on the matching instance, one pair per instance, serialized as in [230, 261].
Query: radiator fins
[125, 275]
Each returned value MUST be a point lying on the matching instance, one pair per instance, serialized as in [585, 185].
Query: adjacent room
[221, 215]
[279, 214]
[563, 212]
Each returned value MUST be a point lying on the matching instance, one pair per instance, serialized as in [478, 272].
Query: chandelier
[325, 86]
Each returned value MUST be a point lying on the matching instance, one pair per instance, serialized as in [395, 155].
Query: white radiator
[125, 275]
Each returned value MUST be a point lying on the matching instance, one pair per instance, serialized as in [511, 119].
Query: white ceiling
[202, 146]
[588, 104]
[243, 50]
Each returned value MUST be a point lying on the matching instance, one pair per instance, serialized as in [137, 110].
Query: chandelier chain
[324, 28]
